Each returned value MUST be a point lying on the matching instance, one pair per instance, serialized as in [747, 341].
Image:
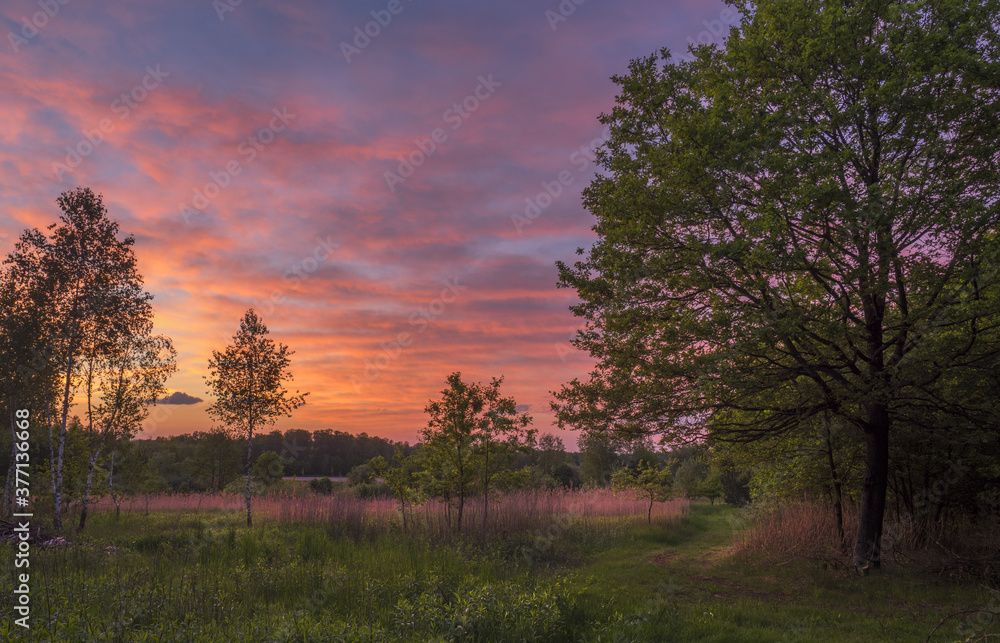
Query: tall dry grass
[508, 514]
[797, 529]
[786, 531]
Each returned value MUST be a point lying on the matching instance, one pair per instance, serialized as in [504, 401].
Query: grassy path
[684, 584]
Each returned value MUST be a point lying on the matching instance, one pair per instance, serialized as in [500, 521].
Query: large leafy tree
[27, 380]
[85, 290]
[800, 222]
[248, 380]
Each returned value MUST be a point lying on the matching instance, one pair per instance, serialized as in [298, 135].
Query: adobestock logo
[372, 29]
[715, 31]
[553, 189]
[456, 115]
[30, 27]
[120, 106]
[249, 147]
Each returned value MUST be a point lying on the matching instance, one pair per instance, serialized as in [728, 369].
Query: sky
[388, 184]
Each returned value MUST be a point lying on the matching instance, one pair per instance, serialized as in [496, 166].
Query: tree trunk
[838, 498]
[867, 548]
[649, 514]
[486, 488]
[57, 516]
[111, 485]
[52, 452]
[249, 448]
[86, 487]
[8, 490]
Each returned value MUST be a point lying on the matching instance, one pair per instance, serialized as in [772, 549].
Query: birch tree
[79, 272]
[120, 382]
[247, 379]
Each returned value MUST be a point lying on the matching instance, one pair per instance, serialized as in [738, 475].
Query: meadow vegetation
[556, 566]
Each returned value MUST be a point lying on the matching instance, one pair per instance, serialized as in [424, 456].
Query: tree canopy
[248, 380]
[799, 222]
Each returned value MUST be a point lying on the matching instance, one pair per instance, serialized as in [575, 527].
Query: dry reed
[508, 514]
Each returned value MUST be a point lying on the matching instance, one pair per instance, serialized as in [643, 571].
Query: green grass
[184, 576]
[684, 584]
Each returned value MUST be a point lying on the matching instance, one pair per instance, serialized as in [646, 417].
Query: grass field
[200, 575]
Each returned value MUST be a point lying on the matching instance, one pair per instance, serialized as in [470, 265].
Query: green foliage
[598, 457]
[361, 474]
[75, 465]
[566, 475]
[801, 222]
[203, 461]
[239, 487]
[401, 479]
[797, 464]
[470, 440]
[369, 490]
[735, 488]
[689, 477]
[268, 469]
[323, 486]
[131, 473]
[711, 486]
[216, 460]
[248, 380]
[648, 479]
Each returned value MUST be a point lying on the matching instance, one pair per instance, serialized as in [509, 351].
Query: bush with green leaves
[322, 486]
[268, 469]
[361, 474]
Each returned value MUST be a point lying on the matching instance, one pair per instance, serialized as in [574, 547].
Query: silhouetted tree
[247, 380]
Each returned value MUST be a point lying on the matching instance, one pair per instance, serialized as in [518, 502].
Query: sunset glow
[391, 199]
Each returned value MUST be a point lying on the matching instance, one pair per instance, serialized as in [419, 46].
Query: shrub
[322, 486]
[361, 474]
[368, 490]
[268, 469]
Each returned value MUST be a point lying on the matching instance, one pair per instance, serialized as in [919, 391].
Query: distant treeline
[203, 461]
